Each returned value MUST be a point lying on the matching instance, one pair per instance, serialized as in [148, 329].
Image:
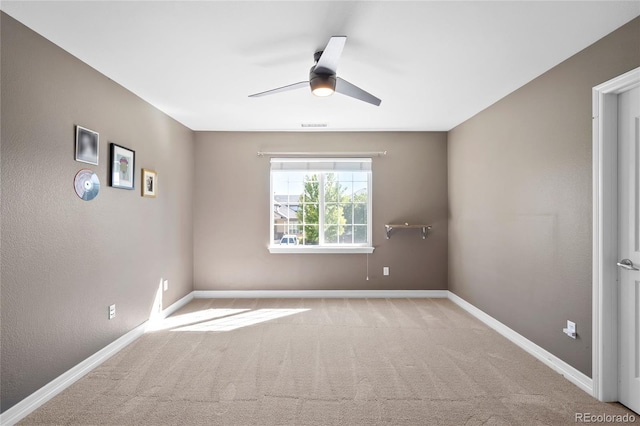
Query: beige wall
[65, 260]
[231, 216]
[520, 200]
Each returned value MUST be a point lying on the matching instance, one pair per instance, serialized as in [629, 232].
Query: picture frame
[149, 183]
[122, 174]
[87, 145]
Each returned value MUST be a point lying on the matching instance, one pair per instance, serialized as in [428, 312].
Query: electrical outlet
[112, 311]
[166, 285]
[570, 330]
[385, 270]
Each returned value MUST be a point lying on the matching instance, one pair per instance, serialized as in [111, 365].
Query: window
[325, 203]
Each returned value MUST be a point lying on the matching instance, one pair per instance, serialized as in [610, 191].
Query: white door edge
[605, 239]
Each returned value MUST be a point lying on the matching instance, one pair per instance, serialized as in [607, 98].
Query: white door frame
[605, 233]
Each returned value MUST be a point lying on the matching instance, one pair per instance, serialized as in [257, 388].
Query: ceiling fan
[322, 76]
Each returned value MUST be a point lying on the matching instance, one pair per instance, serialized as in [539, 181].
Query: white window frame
[322, 248]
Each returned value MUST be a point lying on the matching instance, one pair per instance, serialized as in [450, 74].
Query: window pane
[295, 191]
[286, 226]
[360, 213]
[361, 177]
[360, 192]
[280, 182]
[345, 176]
[360, 234]
[333, 214]
[278, 231]
[347, 193]
[331, 233]
[332, 188]
[311, 188]
[331, 197]
[347, 236]
[296, 176]
[310, 214]
[347, 213]
[310, 235]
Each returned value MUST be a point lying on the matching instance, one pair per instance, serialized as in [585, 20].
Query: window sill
[320, 250]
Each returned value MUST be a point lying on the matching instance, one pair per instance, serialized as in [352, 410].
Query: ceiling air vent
[317, 125]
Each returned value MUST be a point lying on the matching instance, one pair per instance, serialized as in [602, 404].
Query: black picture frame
[123, 168]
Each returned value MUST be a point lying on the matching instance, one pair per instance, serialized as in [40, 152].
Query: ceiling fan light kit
[322, 84]
[322, 76]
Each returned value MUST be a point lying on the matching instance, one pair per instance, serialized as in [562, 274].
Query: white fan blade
[348, 89]
[328, 62]
[294, 86]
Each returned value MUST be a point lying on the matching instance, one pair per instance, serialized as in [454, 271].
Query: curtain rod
[325, 153]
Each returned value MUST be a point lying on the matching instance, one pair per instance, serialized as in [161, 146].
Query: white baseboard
[319, 294]
[25, 407]
[570, 373]
[169, 310]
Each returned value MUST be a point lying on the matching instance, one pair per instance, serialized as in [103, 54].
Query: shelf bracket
[424, 229]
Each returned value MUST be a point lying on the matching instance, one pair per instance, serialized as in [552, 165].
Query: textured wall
[231, 216]
[520, 200]
[65, 260]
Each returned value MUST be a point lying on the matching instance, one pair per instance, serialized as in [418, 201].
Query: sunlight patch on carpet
[245, 319]
[192, 318]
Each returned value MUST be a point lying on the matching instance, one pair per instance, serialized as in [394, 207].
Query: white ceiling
[434, 64]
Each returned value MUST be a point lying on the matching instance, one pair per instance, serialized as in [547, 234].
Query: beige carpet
[321, 362]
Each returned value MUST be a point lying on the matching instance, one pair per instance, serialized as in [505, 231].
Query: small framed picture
[87, 145]
[149, 183]
[122, 167]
